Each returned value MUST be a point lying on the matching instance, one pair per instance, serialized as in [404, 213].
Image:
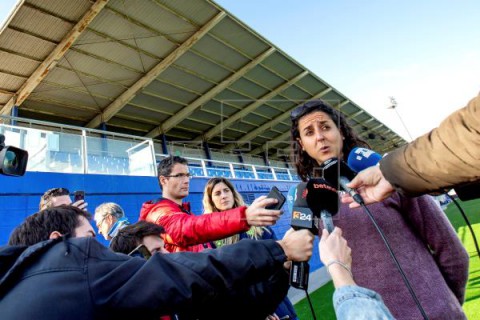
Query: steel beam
[131, 92]
[53, 58]
[256, 132]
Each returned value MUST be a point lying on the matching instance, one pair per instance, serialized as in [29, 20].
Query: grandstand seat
[283, 176]
[264, 175]
[195, 171]
[239, 174]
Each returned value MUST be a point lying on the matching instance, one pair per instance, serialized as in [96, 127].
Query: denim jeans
[357, 303]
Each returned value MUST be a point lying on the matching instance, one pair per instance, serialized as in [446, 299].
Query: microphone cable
[392, 254]
[467, 221]
[310, 304]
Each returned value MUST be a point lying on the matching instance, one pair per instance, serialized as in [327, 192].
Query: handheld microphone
[338, 172]
[362, 158]
[302, 218]
[302, 215]
[322, 199]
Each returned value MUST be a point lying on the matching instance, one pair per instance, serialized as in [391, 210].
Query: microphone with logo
[302, 218]
[337, 172]
[322, 199]
[362, 158]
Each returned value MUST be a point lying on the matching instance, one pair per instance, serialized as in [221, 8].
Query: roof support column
[206, 147]
[14, 113]
[164, 144]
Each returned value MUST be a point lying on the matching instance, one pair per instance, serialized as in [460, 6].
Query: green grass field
[322, 298]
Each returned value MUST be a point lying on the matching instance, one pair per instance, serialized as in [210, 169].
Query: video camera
[13, 161]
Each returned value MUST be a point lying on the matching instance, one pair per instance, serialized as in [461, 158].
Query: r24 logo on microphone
[301, 216]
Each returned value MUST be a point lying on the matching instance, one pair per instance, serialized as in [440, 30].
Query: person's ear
[109, 219]
[55, 235]
[162, 180]
[300, 144]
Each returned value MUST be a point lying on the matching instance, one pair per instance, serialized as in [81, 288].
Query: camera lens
[10, 162]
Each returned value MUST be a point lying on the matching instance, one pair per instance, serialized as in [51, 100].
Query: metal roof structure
[185, 69]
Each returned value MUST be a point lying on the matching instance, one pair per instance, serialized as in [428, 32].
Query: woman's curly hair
[303, 162]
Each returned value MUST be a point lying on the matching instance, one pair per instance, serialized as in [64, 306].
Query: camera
[13, 161]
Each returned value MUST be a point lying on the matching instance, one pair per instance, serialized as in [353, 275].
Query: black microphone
[338, 172]
[302, 218]
[302, 215]
[468, 191]
[322, 199]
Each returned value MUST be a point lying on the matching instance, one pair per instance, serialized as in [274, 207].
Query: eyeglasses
[141, 251]
[180, 175]
[305, 108]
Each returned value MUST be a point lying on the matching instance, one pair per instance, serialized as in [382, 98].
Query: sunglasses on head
[305, 108]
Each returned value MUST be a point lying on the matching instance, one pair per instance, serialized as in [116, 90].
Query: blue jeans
[357, 303]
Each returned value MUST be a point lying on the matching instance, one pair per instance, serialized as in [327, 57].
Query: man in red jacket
[185, 231]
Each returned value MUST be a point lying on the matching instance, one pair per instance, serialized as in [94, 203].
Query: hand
[272, 317]
[81, 204]
[371, 185]
[257, 215]
[297, 245]
[334, 247]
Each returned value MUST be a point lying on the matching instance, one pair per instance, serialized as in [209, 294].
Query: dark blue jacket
[285, 309]
[81, 279]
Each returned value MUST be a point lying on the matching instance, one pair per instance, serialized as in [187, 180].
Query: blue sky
[424, 53]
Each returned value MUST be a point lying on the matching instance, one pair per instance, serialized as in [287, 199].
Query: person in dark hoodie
[55, 269]
[144, 239]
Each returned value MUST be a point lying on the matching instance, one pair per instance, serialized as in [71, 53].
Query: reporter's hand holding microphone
[297, 245]
[369, 182]
[336, 255]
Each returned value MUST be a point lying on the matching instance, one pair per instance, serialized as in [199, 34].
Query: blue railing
[233, 170]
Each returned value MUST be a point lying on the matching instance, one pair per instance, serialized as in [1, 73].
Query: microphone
[339, 173]
[322, 199]
[362, 158]
[302, 218]
[302, 215]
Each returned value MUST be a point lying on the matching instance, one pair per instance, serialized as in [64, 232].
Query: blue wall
[20, 197]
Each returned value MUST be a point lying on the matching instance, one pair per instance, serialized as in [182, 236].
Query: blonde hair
[209, 207]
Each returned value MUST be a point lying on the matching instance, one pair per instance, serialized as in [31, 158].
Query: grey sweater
[427, 247]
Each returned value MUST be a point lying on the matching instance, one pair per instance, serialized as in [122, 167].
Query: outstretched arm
[371, 185]
[350, 301]
[337, 256]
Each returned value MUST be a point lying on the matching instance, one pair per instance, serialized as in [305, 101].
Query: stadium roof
[186, 69]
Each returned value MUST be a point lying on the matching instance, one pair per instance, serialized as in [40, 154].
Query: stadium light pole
[394, 107]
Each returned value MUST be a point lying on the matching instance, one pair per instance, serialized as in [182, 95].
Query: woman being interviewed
[220, 195]
[420, 235]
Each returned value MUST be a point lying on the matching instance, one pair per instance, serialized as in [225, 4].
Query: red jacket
[187, 232]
